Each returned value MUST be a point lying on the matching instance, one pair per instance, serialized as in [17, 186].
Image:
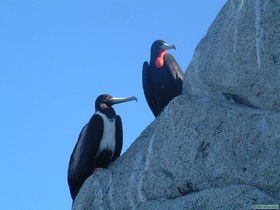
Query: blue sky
[56, 57]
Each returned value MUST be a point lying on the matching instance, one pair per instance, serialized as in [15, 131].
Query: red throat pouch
[160, 60]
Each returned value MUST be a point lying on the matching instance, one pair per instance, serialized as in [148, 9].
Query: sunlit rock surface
[239, 58]
[227, 154]
[218, 145]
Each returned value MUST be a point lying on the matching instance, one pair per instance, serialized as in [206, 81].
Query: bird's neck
[108, 111]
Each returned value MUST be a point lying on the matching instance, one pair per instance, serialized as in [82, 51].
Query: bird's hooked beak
[168, 47]
[122, 100]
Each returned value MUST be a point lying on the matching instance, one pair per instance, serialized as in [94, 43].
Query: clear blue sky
[56, 57]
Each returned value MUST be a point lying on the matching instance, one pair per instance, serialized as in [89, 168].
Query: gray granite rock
[240, 56]
[218, 145]
[226, 153]
[214, 198]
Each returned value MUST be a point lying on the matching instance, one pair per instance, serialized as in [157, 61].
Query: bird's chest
[108, 140]
[160, 78]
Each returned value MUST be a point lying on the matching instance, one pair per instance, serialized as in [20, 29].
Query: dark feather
[84, 164]
[119, 138]
[151, 98]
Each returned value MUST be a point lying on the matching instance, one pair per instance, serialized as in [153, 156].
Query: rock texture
[240, 56]
[218, 145]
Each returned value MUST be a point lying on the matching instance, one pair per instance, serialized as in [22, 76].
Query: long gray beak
[168, 47]
[122, 100]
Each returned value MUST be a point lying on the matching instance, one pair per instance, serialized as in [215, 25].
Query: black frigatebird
[162, 78]
[99, 143]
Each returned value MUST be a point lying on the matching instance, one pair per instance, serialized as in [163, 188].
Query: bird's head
[158, 51]
[105, 100]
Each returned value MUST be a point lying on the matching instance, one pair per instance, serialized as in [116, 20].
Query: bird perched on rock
[162, 78]
[99, 143]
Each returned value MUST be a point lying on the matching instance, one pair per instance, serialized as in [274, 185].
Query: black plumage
[99, 143]
[162, 78]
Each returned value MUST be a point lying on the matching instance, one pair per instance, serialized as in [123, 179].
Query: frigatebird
[162, 78]
[99, 143]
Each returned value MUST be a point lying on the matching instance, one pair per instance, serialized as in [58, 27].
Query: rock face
[240, 56]
[218, 145]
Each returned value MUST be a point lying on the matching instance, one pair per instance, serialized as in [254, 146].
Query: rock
[214, 198]
[240, 56]
[196, 149]
[218, 145]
